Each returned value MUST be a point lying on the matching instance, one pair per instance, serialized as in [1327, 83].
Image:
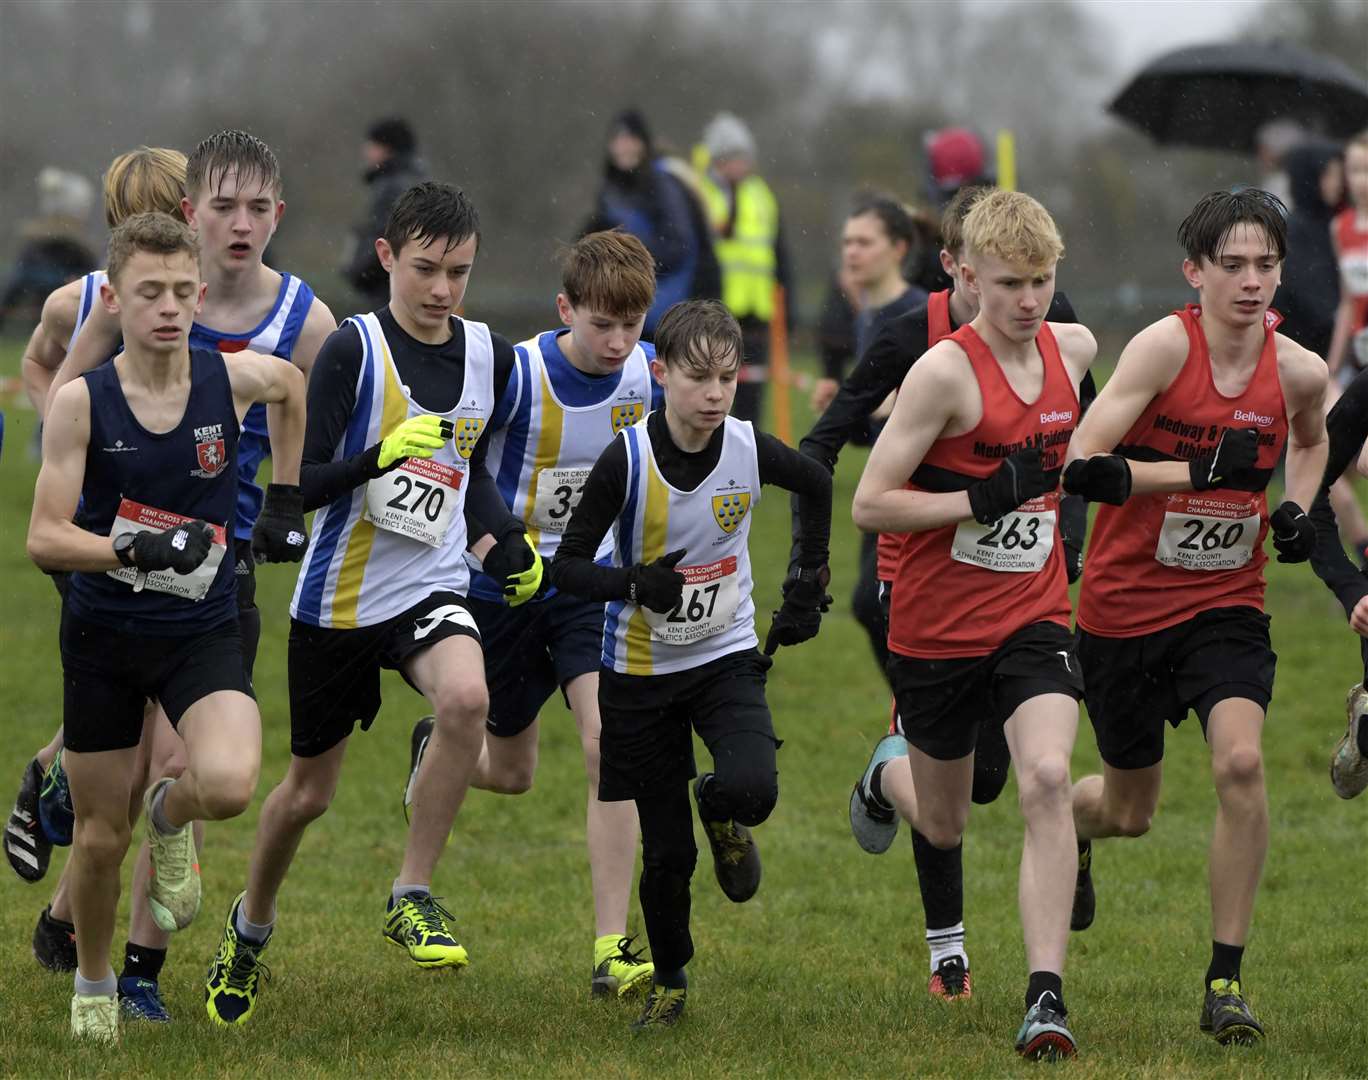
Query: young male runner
[571, 391]
[136, 182]
[1171, 614]
[149, 444]
[679, 644]
[233, 202]
[978, 626]
[880, 372]
[394, 457]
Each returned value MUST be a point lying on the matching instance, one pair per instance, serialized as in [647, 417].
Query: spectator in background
[647, 196]
[390, 151]
[1309, 293]
[955, 158]
[1272, 143]
[55, 246]
[881, 239]
[750, 250]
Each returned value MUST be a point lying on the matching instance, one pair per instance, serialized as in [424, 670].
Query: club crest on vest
[209, 451]
[624, 416]
[730, 508]
[467, 434]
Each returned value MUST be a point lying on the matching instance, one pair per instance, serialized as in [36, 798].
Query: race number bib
[1017, 543]
[1201, 533]
[417, 500]
[558, 493]
[711, 597]
[135, 517]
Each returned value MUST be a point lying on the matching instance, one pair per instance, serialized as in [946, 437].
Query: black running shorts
[109, 674]
[532, 650]
[943, 703]
[1138, 684]
[335, 674]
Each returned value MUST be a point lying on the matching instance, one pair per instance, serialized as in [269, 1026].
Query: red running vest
[937, 327]
[1351, 241]
[1159, 559]
[962, 590]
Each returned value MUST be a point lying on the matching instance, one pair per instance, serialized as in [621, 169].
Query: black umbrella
[1219, 96]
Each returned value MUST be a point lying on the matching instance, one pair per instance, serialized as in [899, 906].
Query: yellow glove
[517, 567]
[418, 436]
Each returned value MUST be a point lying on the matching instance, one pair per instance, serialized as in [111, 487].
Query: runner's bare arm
[280, 385]
[932, 398]
[1304, 382]
[318, 324]
[1344, 319]
[1148, 365]
[46, 347]
[99, 340]
[55, 542]
[1077, 348]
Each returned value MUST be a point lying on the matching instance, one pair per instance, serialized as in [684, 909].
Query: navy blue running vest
[190, 470]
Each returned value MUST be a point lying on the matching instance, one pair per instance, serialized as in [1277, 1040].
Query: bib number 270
[426, 498]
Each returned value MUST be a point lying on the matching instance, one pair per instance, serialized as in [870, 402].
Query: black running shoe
[664, 1008]
[736, 859]
[54, 943]
[1085, 899]
[418, 742]
[26, 845]
[1227, 1017]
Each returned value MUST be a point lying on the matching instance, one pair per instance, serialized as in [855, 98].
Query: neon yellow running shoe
[230, 989]
[418, 923]
[618, 969]
[95, 1017]
[173, 891]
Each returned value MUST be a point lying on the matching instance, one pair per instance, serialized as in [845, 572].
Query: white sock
[946, 942]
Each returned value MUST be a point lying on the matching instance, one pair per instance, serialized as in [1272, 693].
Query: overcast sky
[1145, 28]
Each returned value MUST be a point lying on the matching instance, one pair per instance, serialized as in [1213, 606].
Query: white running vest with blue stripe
[712, 523]
[563, 442]
[356, 574]
[90, 296]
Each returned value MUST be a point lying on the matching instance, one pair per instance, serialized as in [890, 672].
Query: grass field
[822, 974]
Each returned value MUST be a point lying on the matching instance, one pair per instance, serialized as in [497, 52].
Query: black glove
[1293, 533]
[1236, 452]
[1073, 562]
[800, 615]
[1018, 479]
[515, 565]
[657, 585]
[1105, 478]
[278, 535]
[180, 548]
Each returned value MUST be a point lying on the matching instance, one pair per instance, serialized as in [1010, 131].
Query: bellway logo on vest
[1056, 417]
[1252, 418]
[210, 452]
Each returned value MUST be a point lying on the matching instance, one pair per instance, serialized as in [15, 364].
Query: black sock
[940, 876]
[142, 962]
[876, 786]
[1225, 962]
[671, 980]
[1046, 982]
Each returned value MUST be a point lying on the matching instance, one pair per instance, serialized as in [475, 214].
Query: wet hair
[897, 220]
[430, 211]
[145, 179]
[154, 232]
[232, 151]
[956, 210]
[611, 273]
[1205, 230]
[1013, 227]
[699, 335]
[1360, 140]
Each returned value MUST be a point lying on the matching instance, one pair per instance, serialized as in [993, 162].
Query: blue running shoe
[54, 804]
[875, 825]
[140, 999]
